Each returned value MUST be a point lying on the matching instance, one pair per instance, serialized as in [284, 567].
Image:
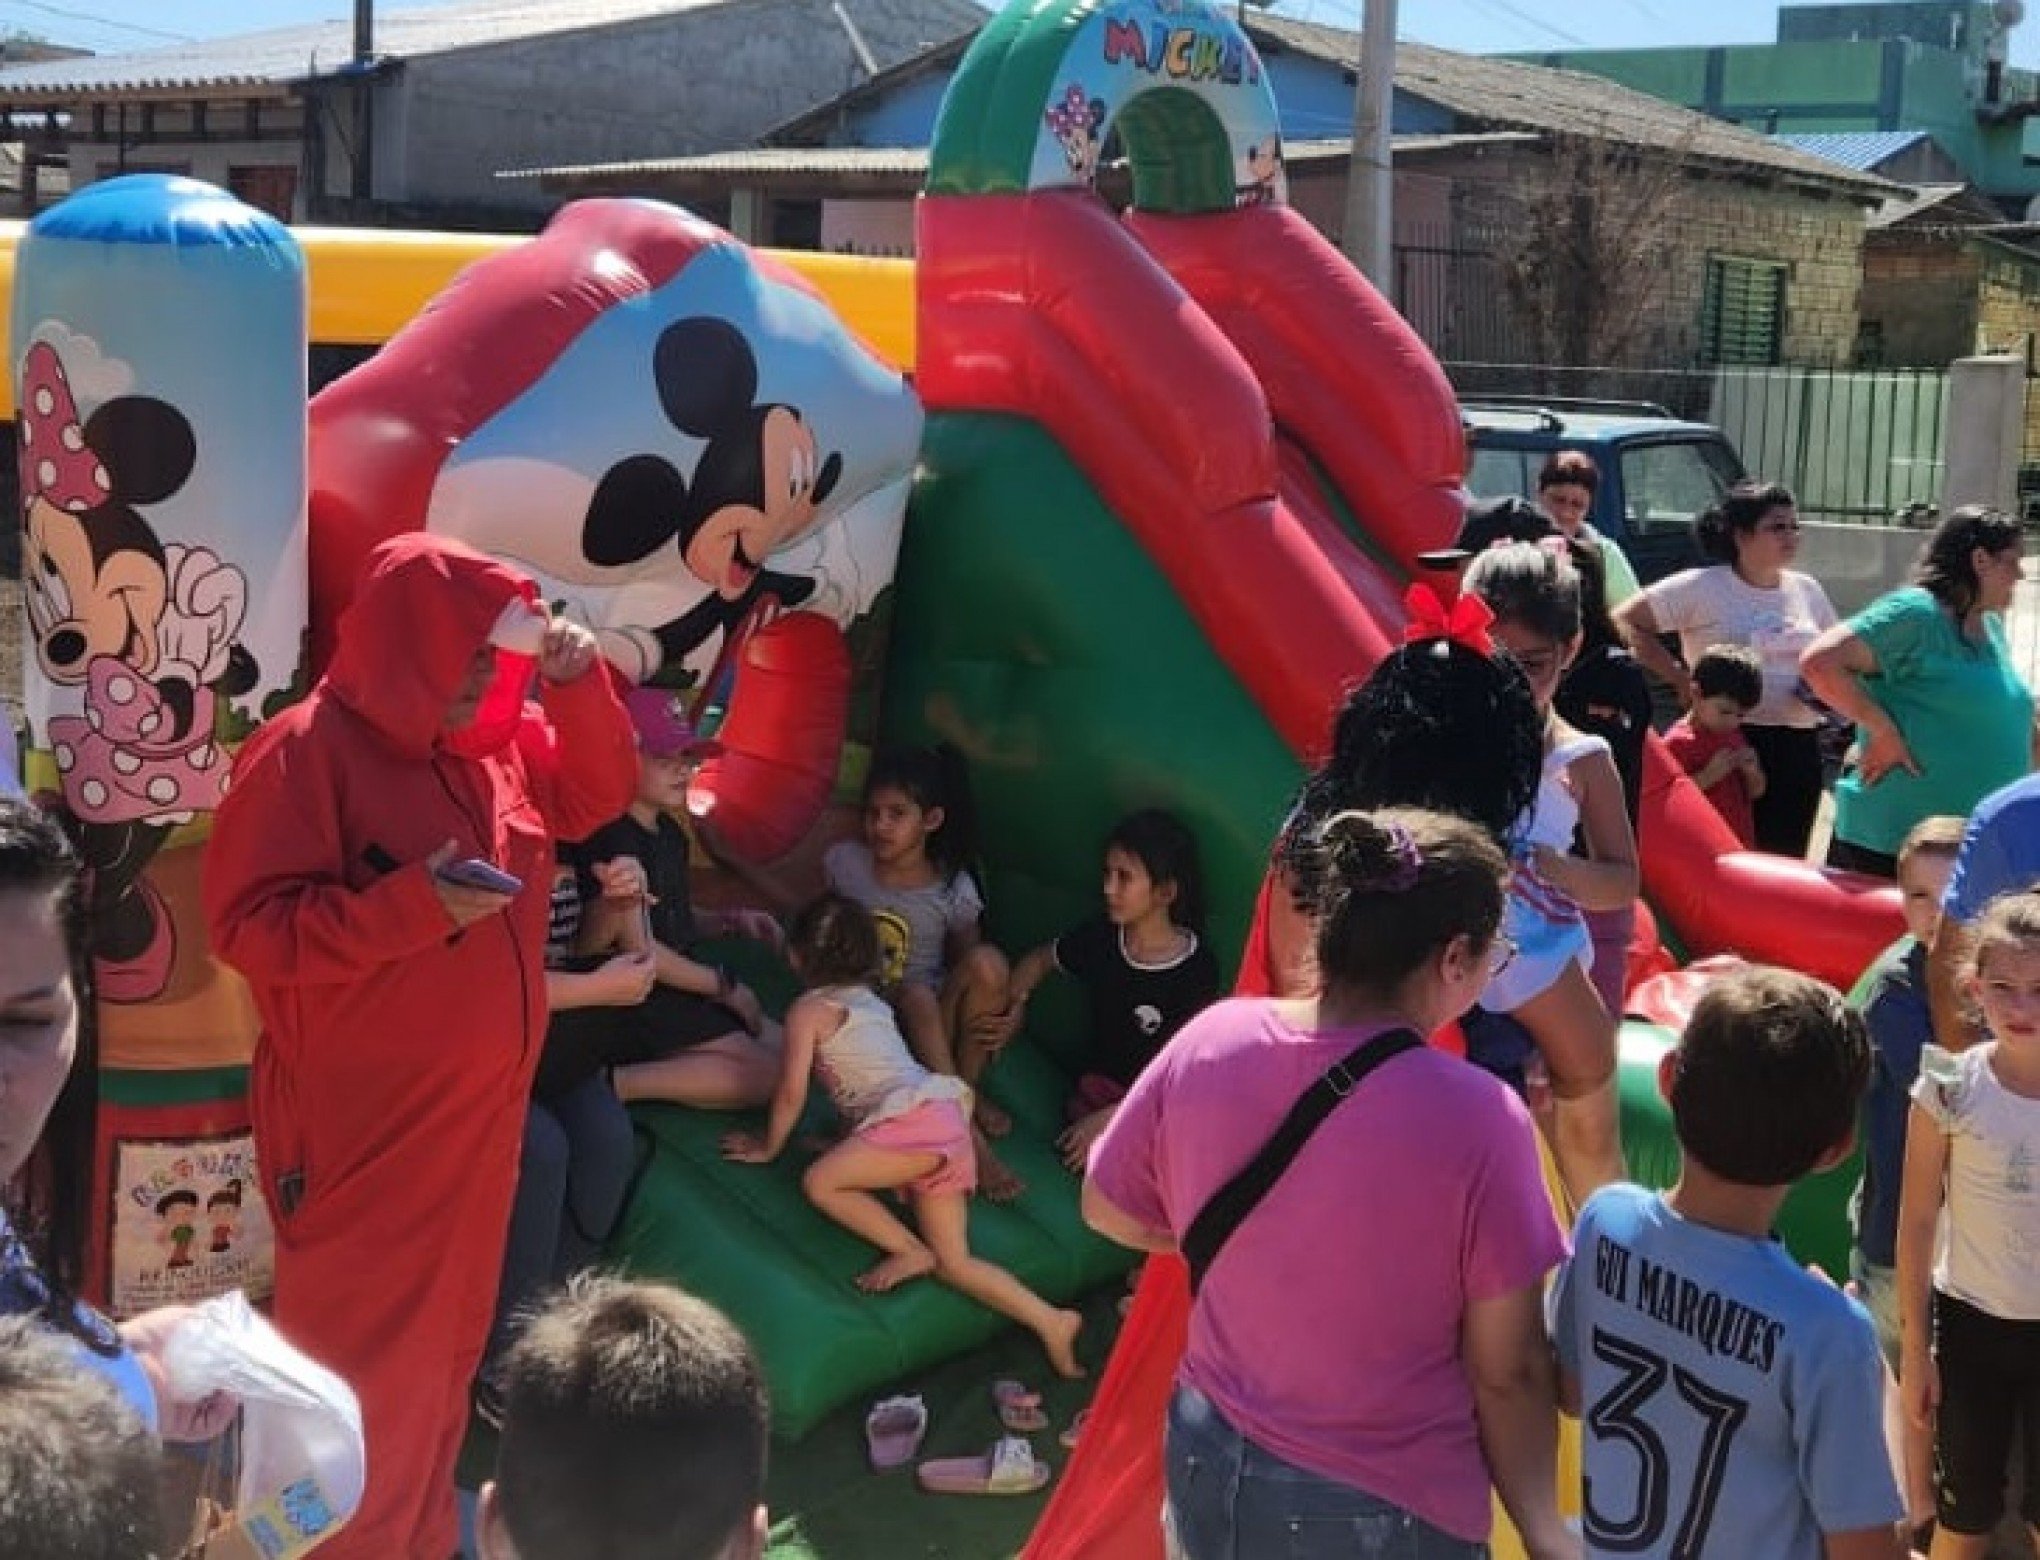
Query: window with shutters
[1742, 311]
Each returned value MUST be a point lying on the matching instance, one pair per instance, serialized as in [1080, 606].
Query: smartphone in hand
[474, 872]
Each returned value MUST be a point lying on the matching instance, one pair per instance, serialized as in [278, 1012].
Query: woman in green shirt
[1565, 491]
[1942, 715]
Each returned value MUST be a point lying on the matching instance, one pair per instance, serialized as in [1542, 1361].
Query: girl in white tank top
[1533, 589]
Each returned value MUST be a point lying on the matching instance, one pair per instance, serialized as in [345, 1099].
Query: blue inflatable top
[165, 209]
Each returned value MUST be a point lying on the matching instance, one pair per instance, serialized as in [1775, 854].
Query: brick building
[1746, 273]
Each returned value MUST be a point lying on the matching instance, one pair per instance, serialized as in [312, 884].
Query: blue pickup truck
[1657, 472]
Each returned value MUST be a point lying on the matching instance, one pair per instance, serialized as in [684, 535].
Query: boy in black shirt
[700, 1036]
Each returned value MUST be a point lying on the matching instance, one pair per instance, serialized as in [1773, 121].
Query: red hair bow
[1465, 624]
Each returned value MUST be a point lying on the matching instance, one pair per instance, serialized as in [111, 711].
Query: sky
[1478, 26]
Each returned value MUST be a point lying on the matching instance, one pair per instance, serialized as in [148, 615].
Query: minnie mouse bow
[1466, 623]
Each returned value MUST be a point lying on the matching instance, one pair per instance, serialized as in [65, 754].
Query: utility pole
[361, 183]
[1370, 184]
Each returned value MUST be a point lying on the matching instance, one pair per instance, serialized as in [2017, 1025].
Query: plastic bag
[303, 1461]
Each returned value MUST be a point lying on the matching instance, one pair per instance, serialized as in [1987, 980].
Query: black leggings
[1990, 1387]
[1792, 782]
[1860, 858]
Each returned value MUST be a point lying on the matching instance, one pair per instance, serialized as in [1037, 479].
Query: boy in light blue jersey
[1731, 1402]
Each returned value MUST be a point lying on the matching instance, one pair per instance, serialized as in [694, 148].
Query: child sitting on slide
[1143, 964]
[700, 1036]
[910, 868]
[909, 1128]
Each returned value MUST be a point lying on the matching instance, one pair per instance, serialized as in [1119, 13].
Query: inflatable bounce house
[158, 332]
[1145, 509]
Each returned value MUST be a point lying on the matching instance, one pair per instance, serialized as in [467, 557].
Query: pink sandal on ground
[1074, 1429]
[893, 1431]
[1009, 1468]
[1019, 1409]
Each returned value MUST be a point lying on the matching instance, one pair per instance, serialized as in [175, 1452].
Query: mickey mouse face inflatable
[643, 413]
[759, 483]
[672, 434]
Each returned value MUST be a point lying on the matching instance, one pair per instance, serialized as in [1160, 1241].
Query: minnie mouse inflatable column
[160, 426]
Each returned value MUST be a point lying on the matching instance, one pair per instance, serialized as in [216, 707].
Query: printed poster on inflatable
[189, 1222]
[1122, 50]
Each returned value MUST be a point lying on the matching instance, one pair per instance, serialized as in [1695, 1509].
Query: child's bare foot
[996, 1180]
[1060, 1342]
[992, 1119]
[897, 1270]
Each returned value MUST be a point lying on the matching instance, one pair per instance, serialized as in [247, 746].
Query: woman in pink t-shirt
[1366, 1351]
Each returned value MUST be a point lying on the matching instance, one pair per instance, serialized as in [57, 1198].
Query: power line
[102, 21]
[1527, 19]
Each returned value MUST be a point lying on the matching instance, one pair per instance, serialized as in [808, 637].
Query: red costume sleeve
[586, 774]
[275, 896]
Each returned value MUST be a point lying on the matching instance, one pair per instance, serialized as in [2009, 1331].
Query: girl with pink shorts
[909, 1128]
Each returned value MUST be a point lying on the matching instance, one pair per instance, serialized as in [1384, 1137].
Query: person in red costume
[402, 1011]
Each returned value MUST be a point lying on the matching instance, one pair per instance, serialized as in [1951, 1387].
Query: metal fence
[1854, 445]
[1456, 300]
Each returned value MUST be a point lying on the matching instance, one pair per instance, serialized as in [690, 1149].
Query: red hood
[423, 606]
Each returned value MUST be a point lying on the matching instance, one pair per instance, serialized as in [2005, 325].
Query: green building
[1930, 65]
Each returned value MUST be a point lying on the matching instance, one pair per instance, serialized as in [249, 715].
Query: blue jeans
[1231, 1500]
[572, 1174]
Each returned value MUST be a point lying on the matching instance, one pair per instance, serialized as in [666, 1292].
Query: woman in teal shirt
[1942, 716]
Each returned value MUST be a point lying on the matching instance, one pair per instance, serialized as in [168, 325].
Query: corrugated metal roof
[1500, 94]
[762, 161]
[1862, 150]
[1937, 205]
[768, 163]
[287, 54]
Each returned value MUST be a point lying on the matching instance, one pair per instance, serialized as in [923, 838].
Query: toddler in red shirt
[1708, 741]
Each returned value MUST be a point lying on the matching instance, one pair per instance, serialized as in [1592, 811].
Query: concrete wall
[1856, 564]
[207, 160]
[703, 79]
[868, 227]
[210, 160]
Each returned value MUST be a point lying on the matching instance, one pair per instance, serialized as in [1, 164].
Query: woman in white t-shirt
[1749, 596]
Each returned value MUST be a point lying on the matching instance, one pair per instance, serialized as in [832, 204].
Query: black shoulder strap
[1232, 1202]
